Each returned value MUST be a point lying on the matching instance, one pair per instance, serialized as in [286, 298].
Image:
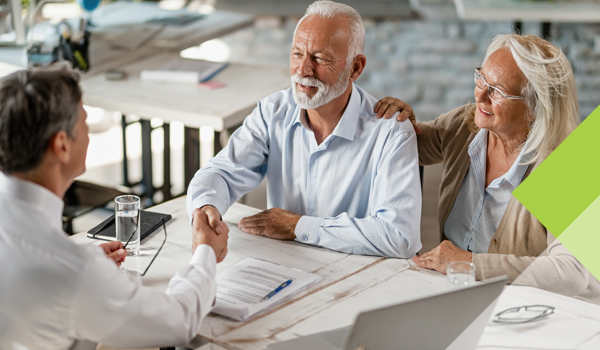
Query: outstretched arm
[237, 169]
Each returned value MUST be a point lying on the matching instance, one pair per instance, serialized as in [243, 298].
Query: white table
[194, 107]
[218, 109]
[352, 283]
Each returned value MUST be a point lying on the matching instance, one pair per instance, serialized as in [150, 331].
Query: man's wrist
[203, 254]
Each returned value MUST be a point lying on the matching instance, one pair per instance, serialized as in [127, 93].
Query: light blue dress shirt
[358, 191]
[477, 210]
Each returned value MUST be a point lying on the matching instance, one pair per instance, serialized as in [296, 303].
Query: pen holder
[75, 51]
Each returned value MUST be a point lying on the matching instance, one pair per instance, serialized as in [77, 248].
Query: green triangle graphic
[568, 181]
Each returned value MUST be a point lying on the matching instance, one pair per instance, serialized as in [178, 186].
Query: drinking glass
[460, 273]
[127, 223]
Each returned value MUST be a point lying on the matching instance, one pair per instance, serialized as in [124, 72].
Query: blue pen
[277, 290]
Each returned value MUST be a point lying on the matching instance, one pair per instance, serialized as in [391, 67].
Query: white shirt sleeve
[115, 309]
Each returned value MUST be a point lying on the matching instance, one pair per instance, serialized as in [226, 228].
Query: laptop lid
[436, 321]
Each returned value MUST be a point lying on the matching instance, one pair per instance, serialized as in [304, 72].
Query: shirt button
[305, 238]
[494, 240]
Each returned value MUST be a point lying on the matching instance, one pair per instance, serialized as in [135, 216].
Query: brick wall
[428, 63]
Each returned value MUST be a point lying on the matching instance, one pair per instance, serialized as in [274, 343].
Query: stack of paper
[242, 288]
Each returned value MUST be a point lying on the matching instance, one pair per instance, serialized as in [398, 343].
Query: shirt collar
[35, 196]
[478, 143]
[514, 175]
[346, 127]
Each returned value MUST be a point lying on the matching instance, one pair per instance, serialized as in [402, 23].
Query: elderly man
[54, 293]
[337, 177]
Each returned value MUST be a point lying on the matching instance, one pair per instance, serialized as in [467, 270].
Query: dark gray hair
[34, 106]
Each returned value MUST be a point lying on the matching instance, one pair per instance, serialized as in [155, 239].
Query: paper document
[242, 287]
[184, 71]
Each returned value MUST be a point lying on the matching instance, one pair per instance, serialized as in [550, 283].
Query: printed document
[242, 287]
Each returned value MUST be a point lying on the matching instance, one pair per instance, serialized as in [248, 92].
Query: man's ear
[358, 65]
[60, 146]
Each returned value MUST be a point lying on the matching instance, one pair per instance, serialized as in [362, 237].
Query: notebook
[150, 221]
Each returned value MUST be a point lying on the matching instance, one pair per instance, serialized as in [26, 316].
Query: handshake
[208, 228]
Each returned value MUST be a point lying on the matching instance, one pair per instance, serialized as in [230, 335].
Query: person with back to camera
[55, 294]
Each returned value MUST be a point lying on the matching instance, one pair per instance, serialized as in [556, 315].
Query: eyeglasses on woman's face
[493, 92]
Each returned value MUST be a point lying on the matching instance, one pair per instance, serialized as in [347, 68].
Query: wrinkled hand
[203, 233]
[387, 106]
[114, 251]
[275, 223]
[439, 257]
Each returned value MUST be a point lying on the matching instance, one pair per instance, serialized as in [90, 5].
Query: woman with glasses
[525, 106]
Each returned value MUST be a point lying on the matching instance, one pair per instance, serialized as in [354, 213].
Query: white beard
[325, 93]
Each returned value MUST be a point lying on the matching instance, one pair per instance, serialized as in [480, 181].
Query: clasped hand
[439, 257]
[209, 229]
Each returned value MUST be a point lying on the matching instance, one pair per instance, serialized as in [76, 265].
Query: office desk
[172, 38]
[352, 283]
[186, 103]
[194, 107]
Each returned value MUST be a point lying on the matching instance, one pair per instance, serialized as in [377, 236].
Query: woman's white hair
[550, 92]
[330, 9]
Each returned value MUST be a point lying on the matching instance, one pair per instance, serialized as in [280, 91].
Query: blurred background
[421, 51]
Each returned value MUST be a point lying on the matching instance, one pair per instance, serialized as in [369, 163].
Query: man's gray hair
[330, 9]
[34, 106]
[550, 92]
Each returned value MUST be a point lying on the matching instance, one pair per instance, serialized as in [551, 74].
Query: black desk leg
[217, 143]
[147, 160]
[191, 154]
[125, 163]
[518, 27]
[166, 187]
[546, 30]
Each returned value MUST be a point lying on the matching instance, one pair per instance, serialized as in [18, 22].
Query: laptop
[453, 319]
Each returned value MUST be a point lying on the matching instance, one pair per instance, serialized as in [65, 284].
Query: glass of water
[460, 273]
[127, 222]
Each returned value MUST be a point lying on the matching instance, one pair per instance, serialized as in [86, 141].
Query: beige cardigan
[520, 237]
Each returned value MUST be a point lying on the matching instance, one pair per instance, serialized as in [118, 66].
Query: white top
[54, 292]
